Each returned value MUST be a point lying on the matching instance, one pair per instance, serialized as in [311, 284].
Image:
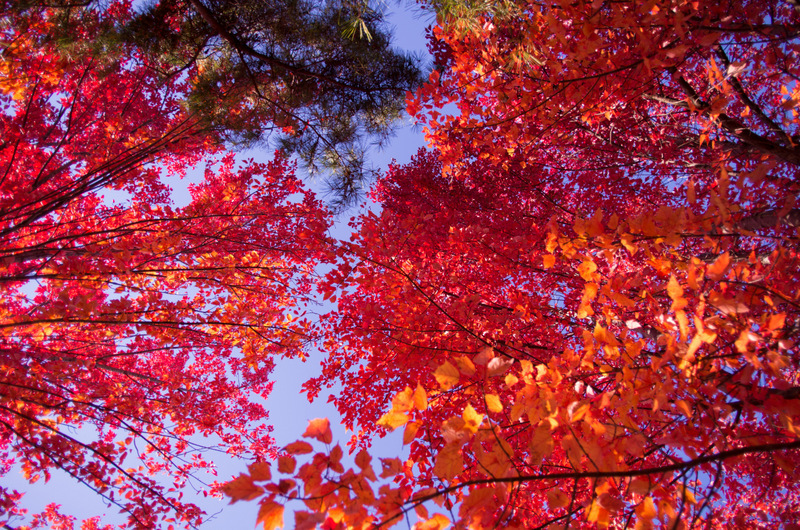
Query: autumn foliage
[581, 305]
[152, 327]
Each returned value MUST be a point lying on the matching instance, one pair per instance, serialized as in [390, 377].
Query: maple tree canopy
[580, 304]
[149, 326]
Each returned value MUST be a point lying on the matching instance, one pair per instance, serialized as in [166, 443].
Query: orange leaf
[319, 429]
[589, 293]
[437, 522]
[242, 489]
[675, 292]
[449, 463]
[447, 376]
[260, 471]
[420, 398]
[548, 261]
[465, 365]
[640, 486]
[587, 270]
[307, 520]
[403, 401]
[472, 420]
[647, 509]
[298, 448]
[597, 514]
[335, 459]
[392, 420]
[611, 503]
[411, 432]
[557, 498]
[270, 515]
[716, 270]
[478, 500]
[390, 467]
[286, 464]
[776, 321]
[484, 356]
[499, 365]
[684, 408]
[493, 403]
[363, 459]
[726, 305]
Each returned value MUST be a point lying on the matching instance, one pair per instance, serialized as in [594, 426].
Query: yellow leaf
[511, 380]
[319, 429]
[493, 403]
[628, 242]
[743, 340]
[447, 376]
[270, 515]
[472, 420]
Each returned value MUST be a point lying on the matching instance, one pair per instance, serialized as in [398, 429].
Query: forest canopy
[579, 303]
